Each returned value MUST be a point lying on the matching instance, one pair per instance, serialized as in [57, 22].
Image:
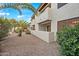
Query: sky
[12, 13]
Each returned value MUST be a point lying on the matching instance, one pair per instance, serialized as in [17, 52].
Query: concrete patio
[27, 45]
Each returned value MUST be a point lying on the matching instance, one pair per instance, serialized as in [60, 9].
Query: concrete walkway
[27, 45]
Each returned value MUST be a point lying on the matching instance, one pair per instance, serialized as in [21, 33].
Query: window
[33, 27]
[49, 5]
[59, 5]
[49, 28]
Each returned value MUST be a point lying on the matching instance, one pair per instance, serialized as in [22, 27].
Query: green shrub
[4, 28]
[68, 39]
[3, 31]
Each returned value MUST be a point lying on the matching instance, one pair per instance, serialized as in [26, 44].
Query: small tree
[22, 23]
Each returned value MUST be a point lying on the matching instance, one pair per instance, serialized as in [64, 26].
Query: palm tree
[22, 23]
[18, 6]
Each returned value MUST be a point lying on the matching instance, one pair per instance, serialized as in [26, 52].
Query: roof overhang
[39, 8]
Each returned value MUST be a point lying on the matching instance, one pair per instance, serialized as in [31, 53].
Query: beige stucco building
[50, 17]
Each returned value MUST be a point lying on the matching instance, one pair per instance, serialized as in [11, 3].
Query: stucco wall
[43, 16]
[68, 11]
[46, 36]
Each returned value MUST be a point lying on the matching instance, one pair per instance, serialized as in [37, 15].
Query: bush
[68, 39]
[4, 28]
[3, 31]
[17, 30]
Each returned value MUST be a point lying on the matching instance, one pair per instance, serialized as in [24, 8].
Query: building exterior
[50, 18]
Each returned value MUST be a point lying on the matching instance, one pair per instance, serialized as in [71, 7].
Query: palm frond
[18, 6]
[28, 6]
